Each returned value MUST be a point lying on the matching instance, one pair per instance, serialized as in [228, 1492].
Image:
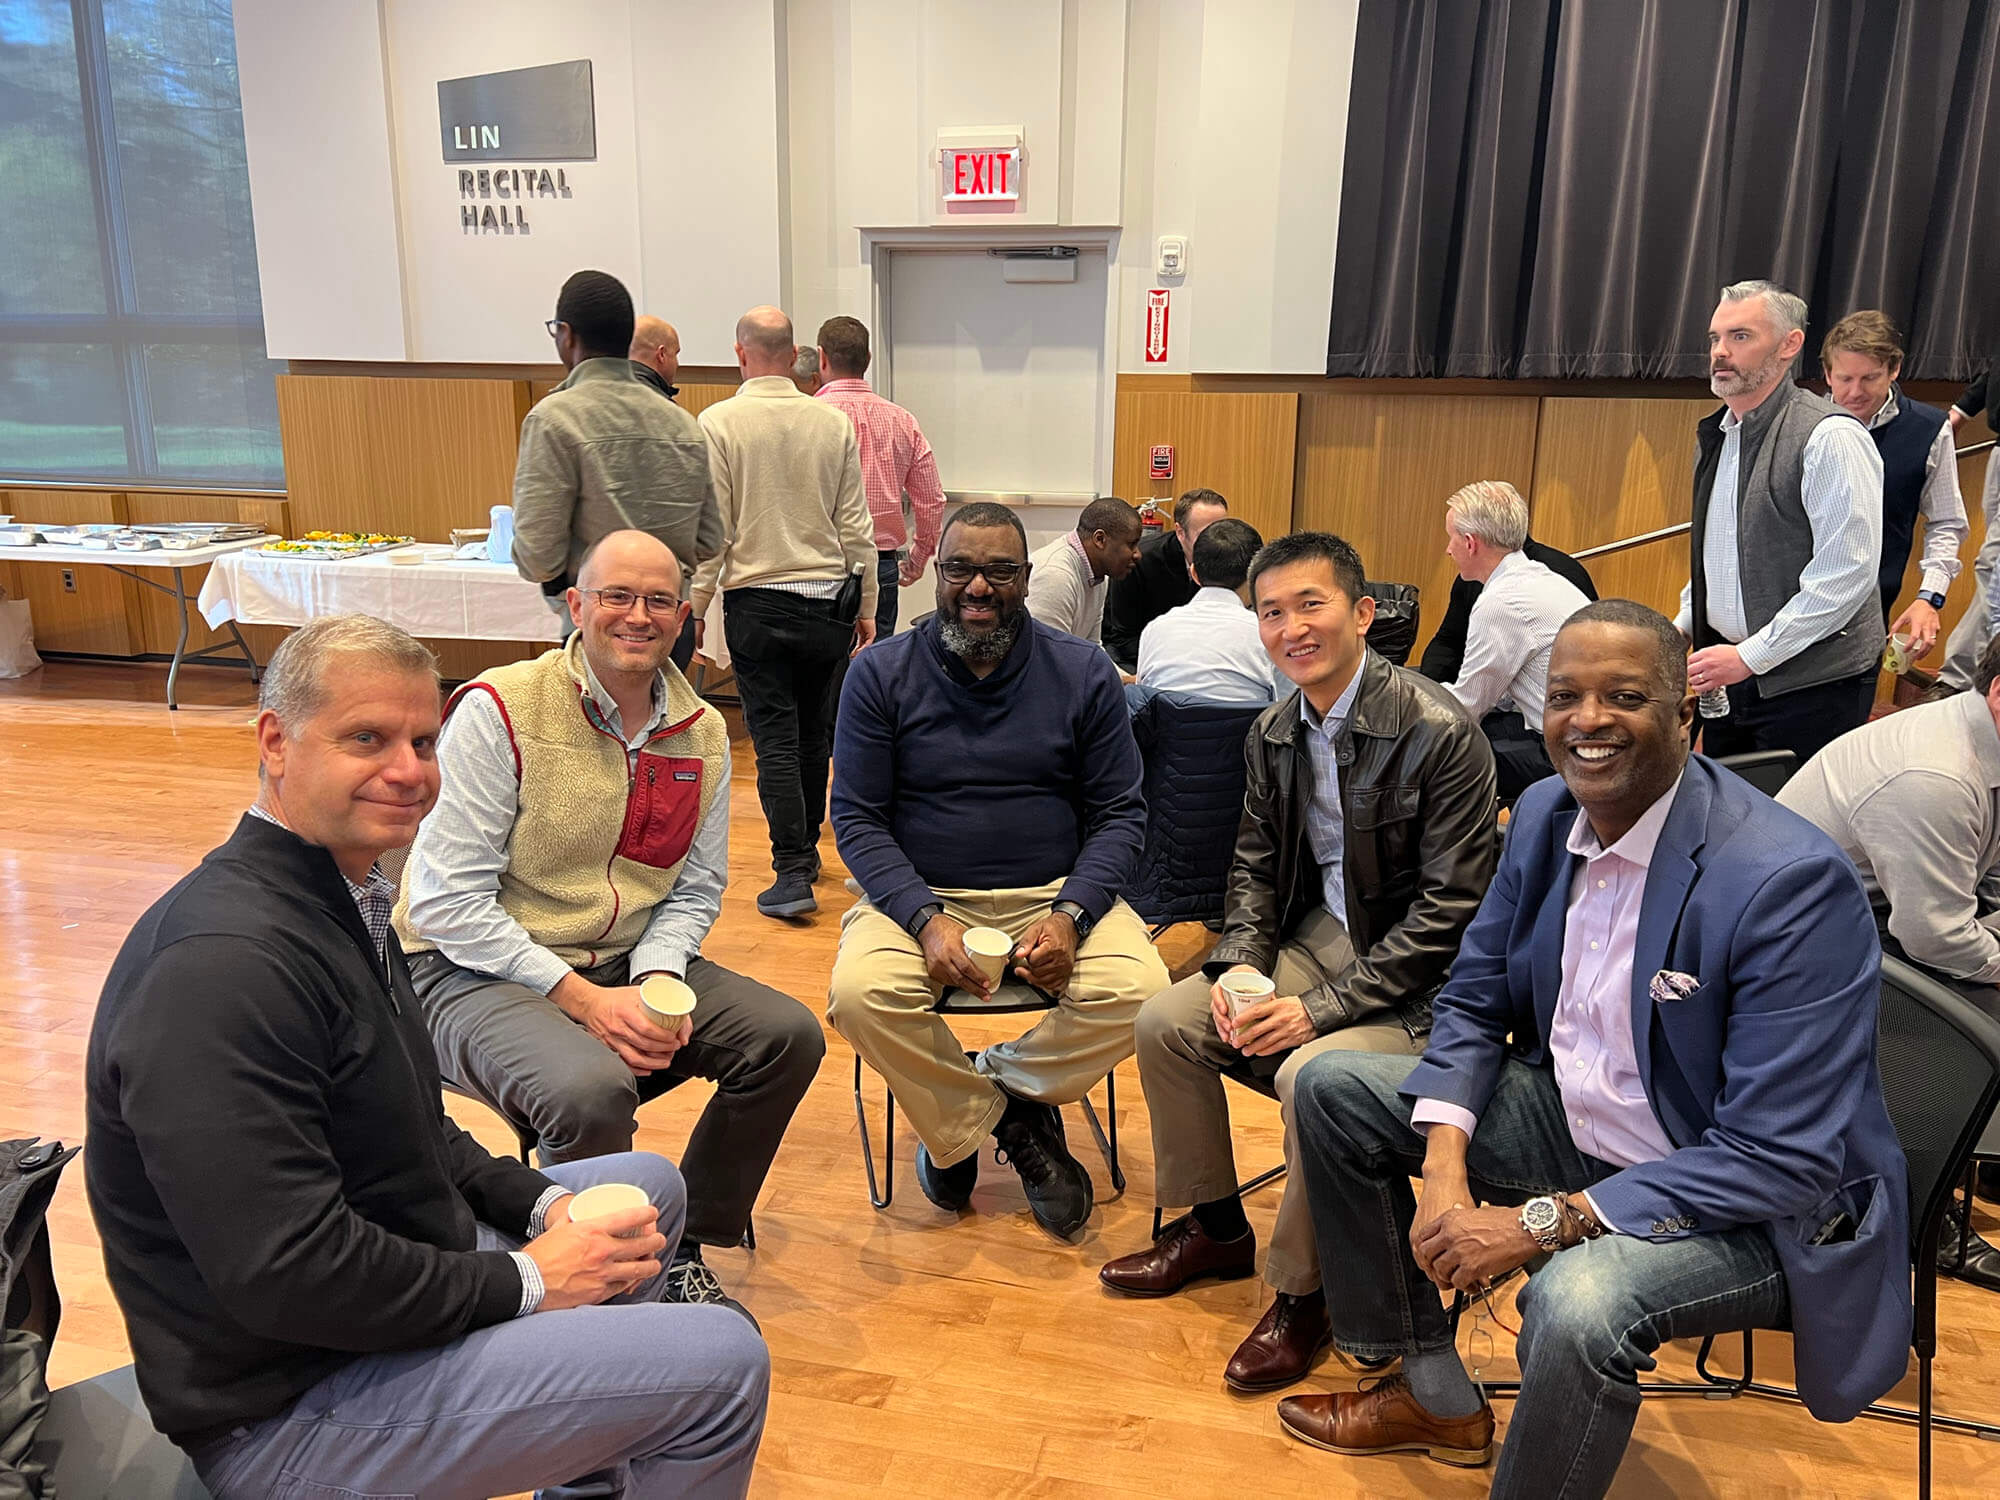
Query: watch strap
[922, 918]
[1078, 916]
[1931, 597]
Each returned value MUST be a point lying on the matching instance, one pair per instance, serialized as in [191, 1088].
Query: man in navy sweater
[985, 775]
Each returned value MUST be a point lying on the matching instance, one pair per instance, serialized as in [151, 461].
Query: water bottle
[1714, 704]
[500, 541]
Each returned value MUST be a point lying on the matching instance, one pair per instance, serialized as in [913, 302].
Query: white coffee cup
[1245, 989]
[608, 1198]
[989, 948]
[1897, 656]
[666, 997]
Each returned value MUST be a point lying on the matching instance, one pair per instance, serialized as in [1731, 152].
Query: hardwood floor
[912, 1356]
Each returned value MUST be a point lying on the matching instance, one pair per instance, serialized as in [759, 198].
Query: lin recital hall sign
[981, 166]
[542, 114]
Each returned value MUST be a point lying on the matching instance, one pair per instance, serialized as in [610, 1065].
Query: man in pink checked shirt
[895, 461]
[1655, 1061]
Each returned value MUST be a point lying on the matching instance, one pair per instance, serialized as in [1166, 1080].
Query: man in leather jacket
[1367, 842]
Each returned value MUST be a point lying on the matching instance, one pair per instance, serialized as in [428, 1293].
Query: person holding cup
[1367, 841]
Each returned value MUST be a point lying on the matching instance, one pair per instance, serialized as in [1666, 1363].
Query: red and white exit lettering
[1156, 326]
[982, 176]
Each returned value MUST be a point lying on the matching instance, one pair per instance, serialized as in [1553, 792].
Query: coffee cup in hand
[666, 998]
[1245, 989]
[989, 949]
[605, 1199]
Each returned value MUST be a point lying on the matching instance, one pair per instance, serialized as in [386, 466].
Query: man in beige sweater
[796, 530]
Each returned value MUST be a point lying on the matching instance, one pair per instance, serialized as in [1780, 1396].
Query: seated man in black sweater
[985, 776]
[326, 1282]
[1162, 578]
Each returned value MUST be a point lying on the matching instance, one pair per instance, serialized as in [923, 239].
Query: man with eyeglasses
[601, 452]
[580, 845]
[985, 775]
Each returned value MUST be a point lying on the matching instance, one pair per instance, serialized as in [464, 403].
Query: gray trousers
[1968, 639]
[519, 1051]
[635, 1398]
[1182, 1062]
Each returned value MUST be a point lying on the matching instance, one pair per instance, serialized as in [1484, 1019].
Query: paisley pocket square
[1670, 985]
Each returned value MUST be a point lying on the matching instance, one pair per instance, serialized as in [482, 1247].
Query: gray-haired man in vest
[1781, 603]
[580, 845]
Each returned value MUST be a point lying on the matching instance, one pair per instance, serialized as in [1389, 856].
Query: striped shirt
[896, 462]
[1326, 825]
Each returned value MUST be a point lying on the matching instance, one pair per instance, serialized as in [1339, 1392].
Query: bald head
[631, 560]
[656, 343]
[764, 342]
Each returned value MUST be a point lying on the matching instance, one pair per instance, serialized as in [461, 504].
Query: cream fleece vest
[587, 865]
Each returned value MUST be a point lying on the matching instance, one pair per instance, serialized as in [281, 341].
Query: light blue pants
[643, 1399]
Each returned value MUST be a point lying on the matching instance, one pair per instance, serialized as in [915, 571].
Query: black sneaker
[791, 896]
[1058, 1188]
[950, 1188]
[691, 1281]
[1981, 1265]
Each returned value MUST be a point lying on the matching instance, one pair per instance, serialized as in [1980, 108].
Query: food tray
[331, 546]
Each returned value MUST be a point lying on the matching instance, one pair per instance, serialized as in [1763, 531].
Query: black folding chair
[1766, 770]
[1193, 752]
[1012, 998]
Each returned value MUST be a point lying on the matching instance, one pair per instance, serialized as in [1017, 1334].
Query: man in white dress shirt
[1521, 606]
[1068, 579]
[1209, 648]
[1781, 602]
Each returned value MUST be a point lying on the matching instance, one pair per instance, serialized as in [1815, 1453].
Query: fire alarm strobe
[1163, 460]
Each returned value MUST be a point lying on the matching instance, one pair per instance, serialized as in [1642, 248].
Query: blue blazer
[1764, 1078]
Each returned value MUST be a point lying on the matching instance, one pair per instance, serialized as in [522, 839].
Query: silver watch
[1542, 1218]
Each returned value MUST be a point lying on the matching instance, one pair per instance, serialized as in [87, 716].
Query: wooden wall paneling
[1376, 470]
[156, 618]
[695, 395]
[1243, 445]
[417, 456]
[98, 617]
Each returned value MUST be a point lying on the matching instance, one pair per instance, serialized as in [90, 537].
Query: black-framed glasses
[553, 324]
[622, 600]
[999, 574]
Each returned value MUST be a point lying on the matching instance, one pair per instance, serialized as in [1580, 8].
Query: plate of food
[330, 546]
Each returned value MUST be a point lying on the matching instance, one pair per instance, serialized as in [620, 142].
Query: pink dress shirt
[1591, 1044]
[895, 460]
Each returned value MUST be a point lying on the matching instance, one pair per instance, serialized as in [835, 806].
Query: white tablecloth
[441, 597]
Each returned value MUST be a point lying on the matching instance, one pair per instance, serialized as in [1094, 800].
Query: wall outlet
[69, 580]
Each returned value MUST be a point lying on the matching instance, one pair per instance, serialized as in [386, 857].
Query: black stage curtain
[1558, 188]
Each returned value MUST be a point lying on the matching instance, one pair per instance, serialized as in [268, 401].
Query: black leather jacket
[1417, 804]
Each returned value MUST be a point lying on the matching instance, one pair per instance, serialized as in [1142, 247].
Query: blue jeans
[1590, 1318]
[643, 1399]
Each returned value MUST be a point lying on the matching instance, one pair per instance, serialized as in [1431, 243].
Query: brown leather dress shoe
[1287, 1341]
[1385, 1418]
[1183, 1254]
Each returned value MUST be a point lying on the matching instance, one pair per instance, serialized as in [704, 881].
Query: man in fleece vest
[1781, 603]
[581, 844]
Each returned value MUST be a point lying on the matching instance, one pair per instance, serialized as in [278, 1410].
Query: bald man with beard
[656, 354]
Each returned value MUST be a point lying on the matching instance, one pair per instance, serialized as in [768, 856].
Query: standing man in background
[601, 453]
[896, 464]
[1862, 356]
[1781, 603]
[1977, 625]
[1161, 580]
[795, 532]
[805, 372]
[1071, 573]
[656, 353]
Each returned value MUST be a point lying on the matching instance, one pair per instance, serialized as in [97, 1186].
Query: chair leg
[750, 1234]
[1924, 1426]
[883, 1195]
[528, 1141]
[1107, 1144]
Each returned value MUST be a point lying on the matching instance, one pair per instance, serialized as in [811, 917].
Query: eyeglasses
[622, 601]
[553, 324]
[999, 574]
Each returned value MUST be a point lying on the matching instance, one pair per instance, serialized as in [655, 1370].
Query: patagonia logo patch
[687, 775]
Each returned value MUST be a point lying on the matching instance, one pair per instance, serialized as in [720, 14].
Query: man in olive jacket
[1367, 842]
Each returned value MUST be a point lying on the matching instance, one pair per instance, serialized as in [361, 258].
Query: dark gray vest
[1774, 540]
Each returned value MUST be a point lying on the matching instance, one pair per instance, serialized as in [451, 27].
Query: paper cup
[1245, 990]
[1896, 656]
[607, 1198]
[989, 948]
[666, 997]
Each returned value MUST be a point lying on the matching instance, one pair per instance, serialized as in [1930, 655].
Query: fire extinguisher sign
[1156, 326]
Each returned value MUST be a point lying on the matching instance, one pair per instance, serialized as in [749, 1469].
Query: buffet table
[444, 596]
[136, 565]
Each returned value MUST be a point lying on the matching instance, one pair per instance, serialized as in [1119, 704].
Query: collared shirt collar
[1076, 545]
[1211, 597]
[607, 706]
[779, 386]
[599, 367]
[1637, 846]
[845, 385]
[1507, 564]
[1884, 414]
[1342, 706]
[374, 898]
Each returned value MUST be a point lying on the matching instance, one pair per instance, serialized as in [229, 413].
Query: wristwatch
[1542, 1218]
[922, 918]
[1077, 915]
[1931, 597]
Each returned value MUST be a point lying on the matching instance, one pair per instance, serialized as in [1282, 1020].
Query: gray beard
[990, 647]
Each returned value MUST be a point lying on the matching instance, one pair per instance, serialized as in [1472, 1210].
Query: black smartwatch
[922, 919]
[1931, 597]
[1082, 919]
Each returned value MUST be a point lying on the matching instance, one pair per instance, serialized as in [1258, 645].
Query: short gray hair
[1491, 510]
[806, 366]
[1787, 309]
[295, 681]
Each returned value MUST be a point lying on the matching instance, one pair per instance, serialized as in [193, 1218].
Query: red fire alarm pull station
[1163, 460]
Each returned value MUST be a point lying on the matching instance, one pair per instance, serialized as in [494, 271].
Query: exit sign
[981, 166]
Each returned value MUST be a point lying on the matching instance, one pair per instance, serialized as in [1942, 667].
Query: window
[131, 330]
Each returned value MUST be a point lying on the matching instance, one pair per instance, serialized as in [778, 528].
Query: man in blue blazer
[1659, 1042]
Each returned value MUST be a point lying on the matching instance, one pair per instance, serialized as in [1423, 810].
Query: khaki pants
[1182, 1062]
[881, 999]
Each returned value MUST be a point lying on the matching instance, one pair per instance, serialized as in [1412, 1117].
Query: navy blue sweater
[1024, 778]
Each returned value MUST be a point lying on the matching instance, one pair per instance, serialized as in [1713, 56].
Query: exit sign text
[981, 176]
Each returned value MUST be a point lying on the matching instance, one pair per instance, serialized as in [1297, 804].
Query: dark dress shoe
[1988, 1185]
[1981, 1266]
[1386, 1418]
[1287, 1341]
[950, 1188]
[1184, 1254]
[1058, 1189]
